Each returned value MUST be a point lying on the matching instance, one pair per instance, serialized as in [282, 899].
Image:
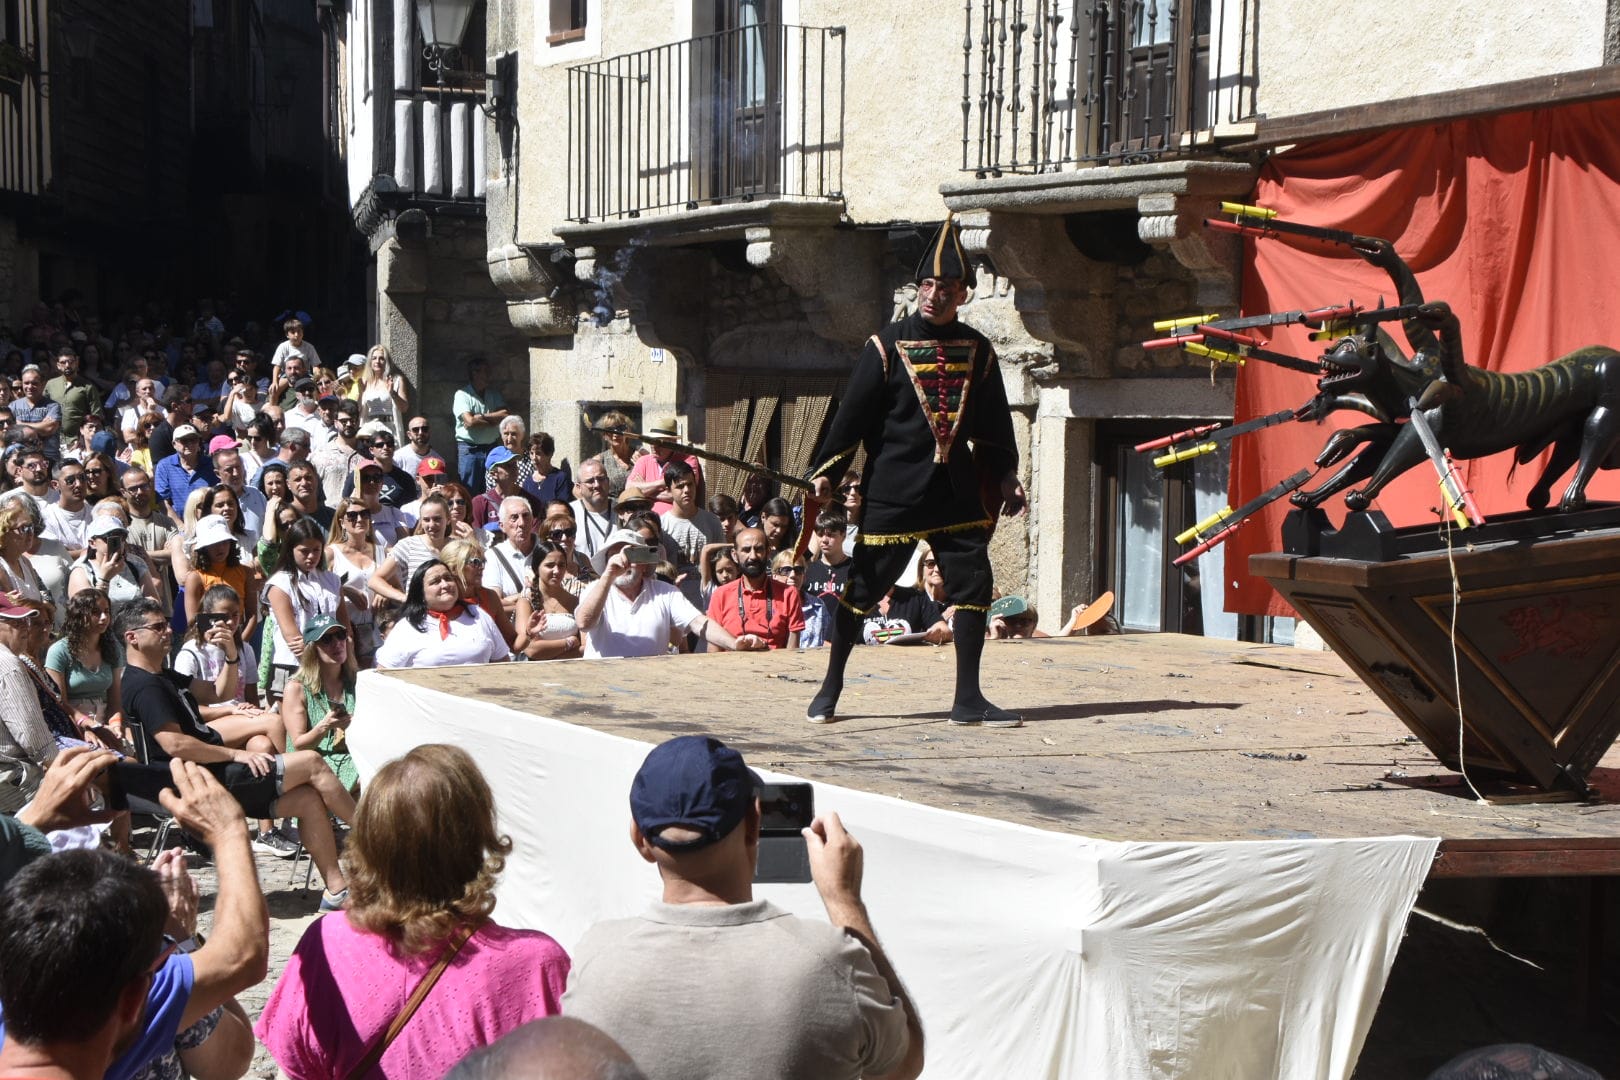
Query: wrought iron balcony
[1053, 83]
[746, 114]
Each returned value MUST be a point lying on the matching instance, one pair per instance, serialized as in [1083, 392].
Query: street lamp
[443, 24]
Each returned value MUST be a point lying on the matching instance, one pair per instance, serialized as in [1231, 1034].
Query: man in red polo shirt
[757, 603]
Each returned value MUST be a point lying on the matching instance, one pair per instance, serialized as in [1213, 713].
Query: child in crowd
[300, 589]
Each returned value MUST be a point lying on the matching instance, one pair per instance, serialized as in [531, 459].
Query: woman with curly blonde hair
[422, 863]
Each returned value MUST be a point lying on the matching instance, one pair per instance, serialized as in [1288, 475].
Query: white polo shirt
[639, 627]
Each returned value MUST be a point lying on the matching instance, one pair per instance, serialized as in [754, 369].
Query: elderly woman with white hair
[515, 437]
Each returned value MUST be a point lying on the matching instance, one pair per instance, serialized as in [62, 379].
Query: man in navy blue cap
[713, 983]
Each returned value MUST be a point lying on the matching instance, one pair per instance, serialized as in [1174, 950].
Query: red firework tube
[1320, 315]
[1219, 538]
[1169, 440]
[1172, 342]
[1230, 335]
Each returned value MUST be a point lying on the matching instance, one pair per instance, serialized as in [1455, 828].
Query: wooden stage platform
[1156, 737]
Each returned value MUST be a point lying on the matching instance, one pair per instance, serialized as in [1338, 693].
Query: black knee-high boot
[846, 631]
[970, 706]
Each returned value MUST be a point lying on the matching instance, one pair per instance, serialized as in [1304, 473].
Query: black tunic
[931, 410]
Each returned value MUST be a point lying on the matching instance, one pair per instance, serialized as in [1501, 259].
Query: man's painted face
[938, 298]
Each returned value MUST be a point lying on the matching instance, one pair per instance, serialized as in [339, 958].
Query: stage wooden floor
[1139, 737]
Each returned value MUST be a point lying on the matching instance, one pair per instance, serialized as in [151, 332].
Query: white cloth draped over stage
[1030, 954]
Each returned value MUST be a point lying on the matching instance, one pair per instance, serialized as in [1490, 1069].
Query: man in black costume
[927, 402]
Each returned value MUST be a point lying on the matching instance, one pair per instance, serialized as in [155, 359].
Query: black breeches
[964, 563]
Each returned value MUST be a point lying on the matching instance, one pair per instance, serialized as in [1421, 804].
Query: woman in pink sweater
[422, 864]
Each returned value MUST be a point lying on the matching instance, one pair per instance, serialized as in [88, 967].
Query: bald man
[556, 1048]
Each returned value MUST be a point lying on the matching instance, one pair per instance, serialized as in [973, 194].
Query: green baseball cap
[1008, 607]
[318, 626]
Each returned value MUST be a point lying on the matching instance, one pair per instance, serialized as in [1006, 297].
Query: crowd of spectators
[201, 548]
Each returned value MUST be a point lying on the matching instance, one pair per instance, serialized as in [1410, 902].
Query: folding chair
[137, 805]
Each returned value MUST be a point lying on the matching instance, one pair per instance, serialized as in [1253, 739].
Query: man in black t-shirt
[163, 702]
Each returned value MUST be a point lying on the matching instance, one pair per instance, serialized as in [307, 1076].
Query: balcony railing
[1054, 83]
[25, 148]
[438, 142]
[745, 114]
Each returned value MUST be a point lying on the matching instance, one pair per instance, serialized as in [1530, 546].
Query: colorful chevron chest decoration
[942, 374]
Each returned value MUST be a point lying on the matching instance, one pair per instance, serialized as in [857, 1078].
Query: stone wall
[437, 309]
[1425, 47]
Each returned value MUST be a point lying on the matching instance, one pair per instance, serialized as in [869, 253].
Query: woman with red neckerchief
[436, 629]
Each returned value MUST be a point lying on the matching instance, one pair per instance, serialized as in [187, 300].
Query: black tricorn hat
[945, 257]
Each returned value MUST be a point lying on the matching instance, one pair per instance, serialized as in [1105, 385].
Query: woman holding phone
[111, 566]
[318, 701]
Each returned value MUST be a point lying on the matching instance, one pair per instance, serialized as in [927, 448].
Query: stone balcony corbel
[1066, 298]
[1169, 220]
[1062, 298]
[539, 297]
[834, 271]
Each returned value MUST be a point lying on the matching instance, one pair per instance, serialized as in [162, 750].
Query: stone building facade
[712, 204]
[410, 147]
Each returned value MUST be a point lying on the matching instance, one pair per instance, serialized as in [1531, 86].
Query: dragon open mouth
[1335, 373]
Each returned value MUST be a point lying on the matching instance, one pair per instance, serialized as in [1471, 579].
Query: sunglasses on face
[787, 571]
[337, 634]
[562, 534]
[456, 502]
[418, 431]
[847, 488]
[356, 515]
[383, 444]
[930, 563]
[475, 562]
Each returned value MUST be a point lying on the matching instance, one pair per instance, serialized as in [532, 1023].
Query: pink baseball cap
[222, 442]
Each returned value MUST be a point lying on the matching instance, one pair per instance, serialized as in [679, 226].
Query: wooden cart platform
[1157, 737]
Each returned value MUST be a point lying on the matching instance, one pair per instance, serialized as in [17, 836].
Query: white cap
[616, 539]
[186, 431]
[211, 529]
[106, 525]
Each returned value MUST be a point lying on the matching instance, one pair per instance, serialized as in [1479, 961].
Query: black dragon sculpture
[1571, 404]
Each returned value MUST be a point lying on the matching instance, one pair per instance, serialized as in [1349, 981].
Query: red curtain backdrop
[1513, 220]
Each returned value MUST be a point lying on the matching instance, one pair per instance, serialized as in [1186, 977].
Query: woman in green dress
[318, 717]
[86, 663]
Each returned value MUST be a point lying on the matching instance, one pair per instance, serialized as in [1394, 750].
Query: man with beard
[922, 391]
[150, 527]
[757, 604]
[629, 612]
[75, 394]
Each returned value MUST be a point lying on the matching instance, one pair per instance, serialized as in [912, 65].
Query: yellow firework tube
[1208, 523]
[1184, 454]
[1242, 210]
[1177, 324]
[1222, 355]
